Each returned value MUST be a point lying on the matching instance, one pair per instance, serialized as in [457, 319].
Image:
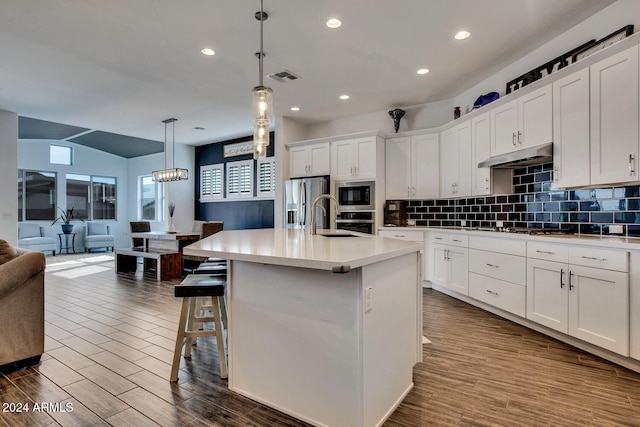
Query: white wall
[9, 177]
[34, 154]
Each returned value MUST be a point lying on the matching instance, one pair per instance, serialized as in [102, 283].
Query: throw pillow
[7, 252]
[97, 229]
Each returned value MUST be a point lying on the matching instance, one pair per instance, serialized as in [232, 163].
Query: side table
[67, 247]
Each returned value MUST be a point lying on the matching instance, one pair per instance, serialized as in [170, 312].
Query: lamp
[262, 99]
[170, 174]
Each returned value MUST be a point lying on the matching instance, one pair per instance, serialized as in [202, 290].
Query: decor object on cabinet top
[170, 174]
[66, 217]
[262, 99]
[604, 42]
[485, 99]
[172, 208]
[396, 115]
[456, 113]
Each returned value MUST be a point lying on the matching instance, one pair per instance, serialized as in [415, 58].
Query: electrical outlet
[499, 224]
[463, 223]
[367, 299]
[411, 222]
[616, 229]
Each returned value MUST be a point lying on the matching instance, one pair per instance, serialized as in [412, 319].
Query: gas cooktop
[523, 230]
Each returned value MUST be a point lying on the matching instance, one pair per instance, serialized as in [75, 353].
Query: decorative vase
[66, 228]
[172, 228]
[396, 115]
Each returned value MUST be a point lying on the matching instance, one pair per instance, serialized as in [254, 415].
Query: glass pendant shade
[262, 103]
[260, 138]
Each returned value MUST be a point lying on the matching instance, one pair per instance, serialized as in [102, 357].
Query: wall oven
[361, 221]
[356, 196]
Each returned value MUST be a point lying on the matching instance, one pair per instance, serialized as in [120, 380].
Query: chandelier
[262, 99]
[170, 174]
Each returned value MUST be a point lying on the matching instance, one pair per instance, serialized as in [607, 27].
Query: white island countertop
[298, 248]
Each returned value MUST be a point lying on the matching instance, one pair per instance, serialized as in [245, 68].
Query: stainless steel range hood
[528, 156]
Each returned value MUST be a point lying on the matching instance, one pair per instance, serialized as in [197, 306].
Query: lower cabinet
[585, 302]
[410, 235]
[449, 262]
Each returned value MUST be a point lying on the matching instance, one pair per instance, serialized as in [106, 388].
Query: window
[240, 179]
[92, 197]
[60, 155]
[150, 198]
[211, 182]
[36, 195]
[266, 177]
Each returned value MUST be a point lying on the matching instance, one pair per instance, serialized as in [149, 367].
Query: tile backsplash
[536, 204]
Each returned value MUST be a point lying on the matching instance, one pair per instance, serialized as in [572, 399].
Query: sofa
[98, 236]
[21, 306]
[31, 236]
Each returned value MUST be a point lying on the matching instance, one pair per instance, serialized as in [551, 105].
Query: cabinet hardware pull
[519, 137]
[570, 280]
[561, 277]
[492, 265]
[513, 138]
[555, 174]
[594, 258]
[486, 184]
[631, 171]
[492, 292]
[545, 252]
[437, 238]
[355, 170]
[399, 235]
[456, 240]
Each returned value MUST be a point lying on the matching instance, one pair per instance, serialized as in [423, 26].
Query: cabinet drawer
[509, 268]
[497, 244]
[438, 237]
[403, 234]
[548, 251]
[503, 295]
[459, 240]
[599, 258]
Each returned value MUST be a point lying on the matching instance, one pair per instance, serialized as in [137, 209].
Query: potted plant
[66, 217]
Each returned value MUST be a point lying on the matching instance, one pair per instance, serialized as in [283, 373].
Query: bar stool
[192, 288]
[211, 269]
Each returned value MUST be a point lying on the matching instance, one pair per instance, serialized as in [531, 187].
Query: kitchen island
[326, 328]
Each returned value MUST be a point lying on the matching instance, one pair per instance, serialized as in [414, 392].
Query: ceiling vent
[283, 76]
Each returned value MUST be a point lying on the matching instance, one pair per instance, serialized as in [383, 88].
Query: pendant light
[170, 174]
[262, 99]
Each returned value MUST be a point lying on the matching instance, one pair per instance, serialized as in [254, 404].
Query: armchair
[31, 236]
[98, 236]
[21, 306]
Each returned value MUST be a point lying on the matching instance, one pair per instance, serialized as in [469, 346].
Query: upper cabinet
[354, 158]
[522, 123]
[455, 161]
[480, 150]
[309, 160]
[571, 130]
[614, 118]
[412, 167]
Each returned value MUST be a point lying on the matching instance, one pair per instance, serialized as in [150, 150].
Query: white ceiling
[123, 66]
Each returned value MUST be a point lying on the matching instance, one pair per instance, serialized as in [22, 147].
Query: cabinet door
[342, 159]
[571, 130]
[535, 118]
[480, 150]
[504, 125]
[463, 183]
[319, 159]
[298, 161]
[439, 265]
[398, 168]
[425, 166]
[614, 118]
[448, 163]
[599, 307]
[364, 163]
[459, 269]
[547, 294]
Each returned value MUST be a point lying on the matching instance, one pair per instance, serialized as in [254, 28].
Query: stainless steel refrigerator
[299, 195]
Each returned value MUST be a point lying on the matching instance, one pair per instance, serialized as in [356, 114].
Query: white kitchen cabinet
[614, 118]
[571, 130]
[481, 150]
[409, 235]
[309, 160]
[588, 301]
[524, 122]
[455, 161]
[412, 170]
[449, 261]
[353, 158]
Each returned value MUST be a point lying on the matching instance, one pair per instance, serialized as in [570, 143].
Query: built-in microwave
[356, 195]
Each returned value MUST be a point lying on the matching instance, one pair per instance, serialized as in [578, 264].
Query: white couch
[31, 236]
[98, 236]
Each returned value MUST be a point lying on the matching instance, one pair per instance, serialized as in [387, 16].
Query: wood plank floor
[110, 339]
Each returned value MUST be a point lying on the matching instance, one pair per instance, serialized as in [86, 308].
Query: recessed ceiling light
[423, 71]
[198, 128]
[334, 23]
[461, 35]
[345, 96]
[208, 51]
[295, 108]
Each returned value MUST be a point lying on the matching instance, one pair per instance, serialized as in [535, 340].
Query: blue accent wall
[236, 215]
